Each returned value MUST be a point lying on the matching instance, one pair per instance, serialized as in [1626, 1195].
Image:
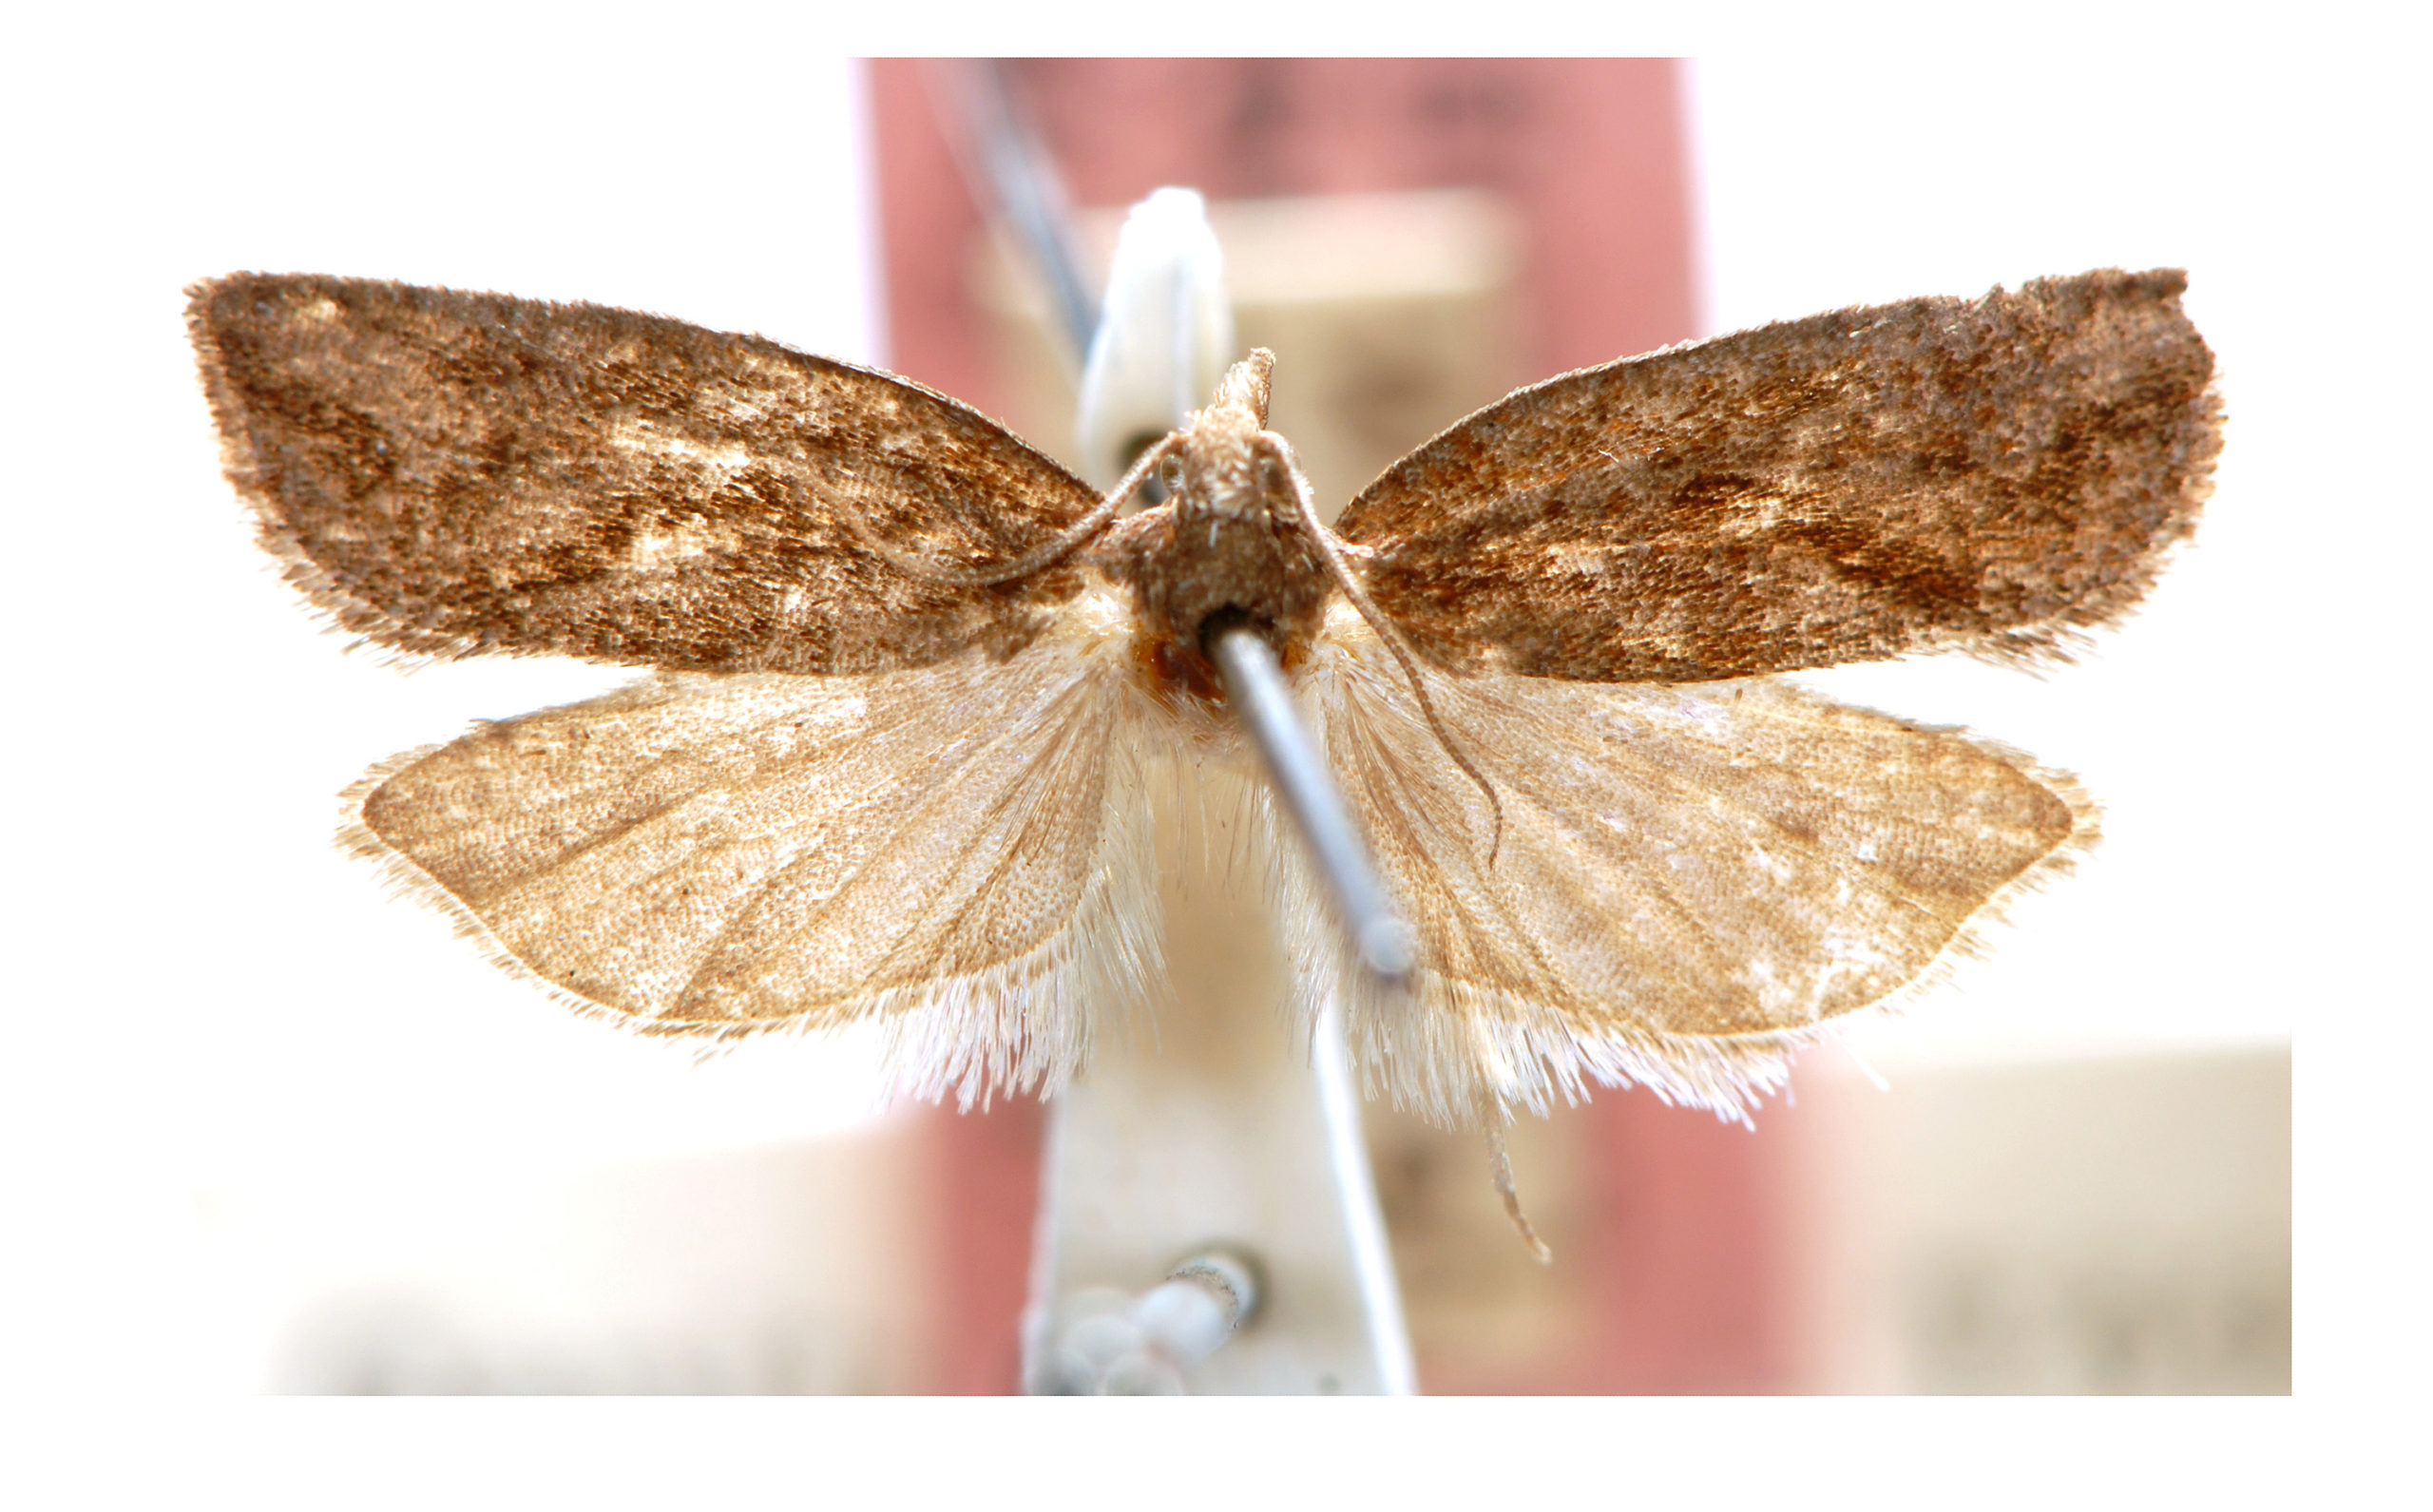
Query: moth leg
[1499, 1154]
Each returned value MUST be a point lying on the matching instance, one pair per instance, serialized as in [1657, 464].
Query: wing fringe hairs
[1533, 1057]
[1022, 1025]
[1996, 476]
[446, 474]
[1463, 1057]
[894, 800]
[1024, 1022]
[1462, 1052]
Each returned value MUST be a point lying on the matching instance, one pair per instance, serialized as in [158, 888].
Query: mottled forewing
[958, 850]
[1689, 881]
[1984, 475]
[448, 474]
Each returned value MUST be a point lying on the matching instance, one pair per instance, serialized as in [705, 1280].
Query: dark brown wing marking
[1936, 474]
[448, 474]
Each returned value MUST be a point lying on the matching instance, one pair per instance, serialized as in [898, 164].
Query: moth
[912, 684]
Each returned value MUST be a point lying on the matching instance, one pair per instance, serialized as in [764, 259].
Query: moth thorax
[1233, 552]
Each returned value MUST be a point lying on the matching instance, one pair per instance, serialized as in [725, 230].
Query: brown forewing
[1984, 475]
[447, 473]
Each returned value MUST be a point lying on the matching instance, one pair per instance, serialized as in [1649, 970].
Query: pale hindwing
[1692, 879]
[961, 852]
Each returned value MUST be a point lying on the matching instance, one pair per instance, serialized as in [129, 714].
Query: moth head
[1227, 465]
[1222, 469]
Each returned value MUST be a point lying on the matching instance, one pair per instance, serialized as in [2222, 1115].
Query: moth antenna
[1499, 1159]
[1037, 559]
[1323, 540]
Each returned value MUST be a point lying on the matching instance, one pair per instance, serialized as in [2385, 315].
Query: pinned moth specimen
[910, 682]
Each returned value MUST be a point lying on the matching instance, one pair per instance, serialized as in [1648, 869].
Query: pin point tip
[1386, 948]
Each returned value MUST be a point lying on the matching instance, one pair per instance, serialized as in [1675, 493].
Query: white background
[204, 996]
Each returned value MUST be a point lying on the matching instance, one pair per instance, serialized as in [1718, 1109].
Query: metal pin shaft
[1255, 687]
[1022, 178]
[1017, 173]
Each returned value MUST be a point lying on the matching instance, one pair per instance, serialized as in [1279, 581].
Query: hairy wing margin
[1691, 883]
[959, 853]
[1993, 475]
[448, 473]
